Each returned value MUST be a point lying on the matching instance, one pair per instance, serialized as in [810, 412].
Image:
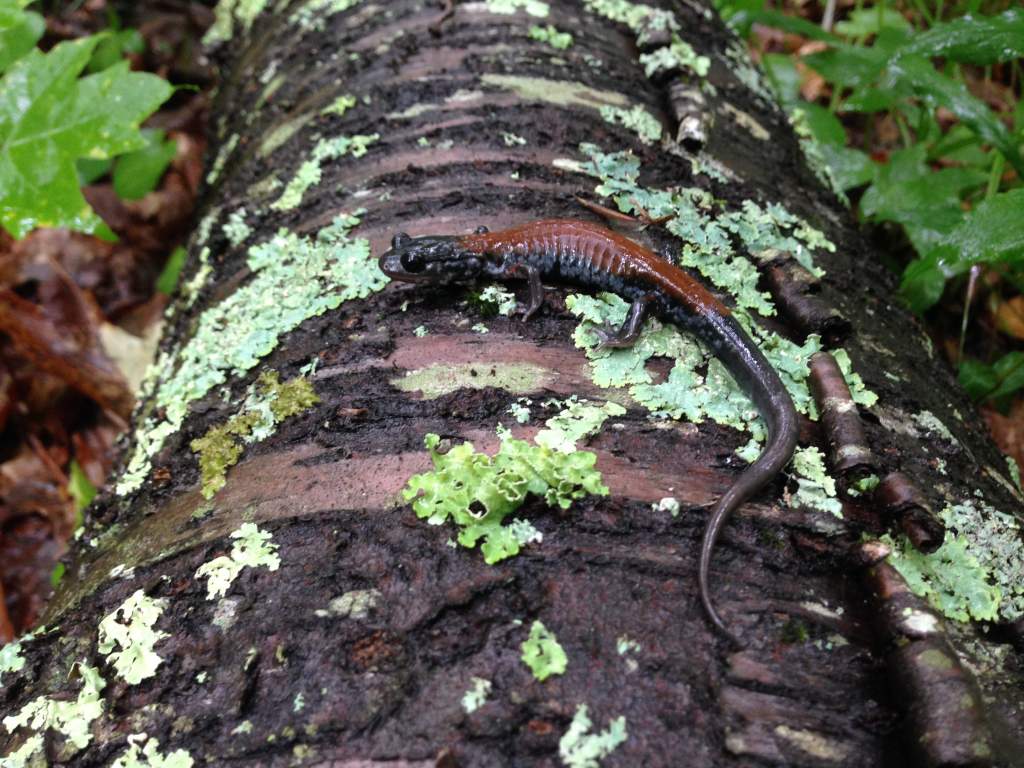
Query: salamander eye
[412, 262]
[399, 240]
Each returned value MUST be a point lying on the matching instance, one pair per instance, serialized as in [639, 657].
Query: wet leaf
[19, 31]
[138, 173]
[977, 40]
[49, 118]
[870, 21]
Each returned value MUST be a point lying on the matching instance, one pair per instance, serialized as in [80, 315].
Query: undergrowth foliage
[51, 117]
[954, 182]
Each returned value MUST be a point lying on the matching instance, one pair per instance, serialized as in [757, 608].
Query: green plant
[953, 184]
[50, 117]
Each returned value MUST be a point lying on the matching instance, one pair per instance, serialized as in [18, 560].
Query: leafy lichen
[269, 402]
[252, 548]
[227, 13]
[542, 653]
[577, 420]
[144, 752]
[313, 14]
[477, 492]
[72, 719]
[127, 637]
[639, 120]
[509, 7]
[310, 171]
[678, 55]
[552, 36]
[815, 488]
[293, 278]
[950, 579]
[579, 748]
[477, 695]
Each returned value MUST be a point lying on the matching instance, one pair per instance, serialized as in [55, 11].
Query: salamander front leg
[627, 335]
[532, 275]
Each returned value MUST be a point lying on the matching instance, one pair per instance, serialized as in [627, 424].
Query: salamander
[593, 257]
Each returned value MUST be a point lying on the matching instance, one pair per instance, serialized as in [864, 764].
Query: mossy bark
[358, 649]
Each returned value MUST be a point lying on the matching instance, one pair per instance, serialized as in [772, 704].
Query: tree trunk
[257, 592]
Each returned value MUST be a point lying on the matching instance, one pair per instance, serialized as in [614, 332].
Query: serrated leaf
[919, 77]
[138, 173]
[19, 31]
[977, 40]
[49, 118]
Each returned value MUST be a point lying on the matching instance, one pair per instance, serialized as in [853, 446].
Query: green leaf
[977, 378]
[849, 66]
[787, 23]
[823, 124]
[994, 231]
[89, 170]
[112, 48]
[867, 98]
[783, 76]
[138, 173]
[922, 285]
[19, 31]
[870, 21]
[977, 40]
[168, 279]
[850, 167]
[49, 118]
[79, 487]
[920, 78]
[542, 653]
[1009, 373]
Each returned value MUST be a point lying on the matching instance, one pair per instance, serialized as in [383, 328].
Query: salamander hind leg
[532, 275]
[629, 332]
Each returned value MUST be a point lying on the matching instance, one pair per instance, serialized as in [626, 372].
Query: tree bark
[351, 638]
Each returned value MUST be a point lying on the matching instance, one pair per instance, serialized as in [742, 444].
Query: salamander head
[430, 259]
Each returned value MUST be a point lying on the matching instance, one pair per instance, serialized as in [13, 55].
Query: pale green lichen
[579, 748]
[11, 659]
[512, 139]
[440, 379]
[144, 752]
[1014, 469]
[931, 423]
[420, 331]
[509, 7]
[127, 637]
[293, 278]
[227, 13]
[310, 171]
[563, 93]
[480, 328]
[276, 137]
[637, 16]
[950, 579]
[520, 410]
[815, 488]
[236, 230]
[552, 36]
[269, 402]
[252, 548]
[542, 652]
[222, 158]
[477, 695]
[357, 605]
[639, 120]
[313, 14]
[668, 504]
[340, 105]
[72, 719]
[678, 55]
[577, 420]
[995, 540]
[477, 492]
[625, 644]
[504, 301]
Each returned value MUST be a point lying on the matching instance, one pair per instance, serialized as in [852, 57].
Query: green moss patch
[269, 403]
